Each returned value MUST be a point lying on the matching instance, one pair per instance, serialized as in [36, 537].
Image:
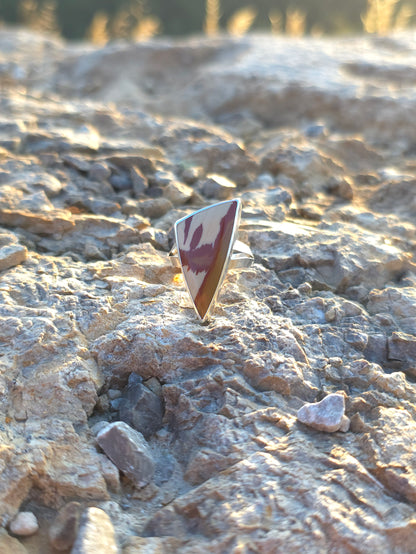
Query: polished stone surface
[205, 240]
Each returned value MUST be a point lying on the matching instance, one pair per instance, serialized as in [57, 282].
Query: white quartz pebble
[24, 524]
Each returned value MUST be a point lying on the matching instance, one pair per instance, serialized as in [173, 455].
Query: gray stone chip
[129, 451]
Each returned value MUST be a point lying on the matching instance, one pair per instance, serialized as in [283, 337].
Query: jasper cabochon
[205, 240]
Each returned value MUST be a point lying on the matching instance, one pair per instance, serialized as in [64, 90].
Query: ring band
[241, 256]
[206, 247]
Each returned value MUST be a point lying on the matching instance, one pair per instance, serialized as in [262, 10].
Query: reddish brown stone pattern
[204, 245]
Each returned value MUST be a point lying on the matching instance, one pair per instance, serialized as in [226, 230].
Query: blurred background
[104, 20]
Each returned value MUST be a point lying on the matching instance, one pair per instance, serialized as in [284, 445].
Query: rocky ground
[126, 423]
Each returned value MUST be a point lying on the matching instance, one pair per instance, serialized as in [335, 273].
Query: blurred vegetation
[103, 20]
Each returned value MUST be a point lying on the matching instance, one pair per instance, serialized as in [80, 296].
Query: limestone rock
[128, 450]
[326, 415]
[217, 186]
[307, 167]
[178, 193]
[339, 263]
[11, 252]
[50, 222]
[154, 208]
[96, 534]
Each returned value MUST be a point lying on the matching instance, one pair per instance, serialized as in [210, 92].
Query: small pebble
[154, 208]
[113, 393]
[305, 288]
[331, 314]
[64, 529]
[315, 130]
[326, 415]
[191, 174]
[24, 524]
[219, 187]
[99, 172]
[77, 163]
[342, 187]
[384, 319]
[92, 252]
[99, 426]
[115, 403]
[140, 184]
[96, 534]
[264, 181]
[120, 182]
[335, 361]
[129, 451]
[161, 178]
[154, 192]
[178, 193]
[141, 408]
[345, 424]
[356, 339]
[159, 239]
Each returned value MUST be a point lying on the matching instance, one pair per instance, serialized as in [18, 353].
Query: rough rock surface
[10, 545]
[101, 151]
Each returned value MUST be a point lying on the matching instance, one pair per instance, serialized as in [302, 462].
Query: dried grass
[403, 17]
[120, 25]
[41, 17]
[295, 22]
[276, 19]
[382, 16]
[28, 10]
[147, 28]
[317, 31]
[212, 17]
[129, 23]
[48, 20]
[241, 21]
[135, 23]
[97, 32]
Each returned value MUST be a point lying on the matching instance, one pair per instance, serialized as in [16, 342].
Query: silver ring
[206, 247]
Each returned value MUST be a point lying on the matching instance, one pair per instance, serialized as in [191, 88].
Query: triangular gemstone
[205, 240]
